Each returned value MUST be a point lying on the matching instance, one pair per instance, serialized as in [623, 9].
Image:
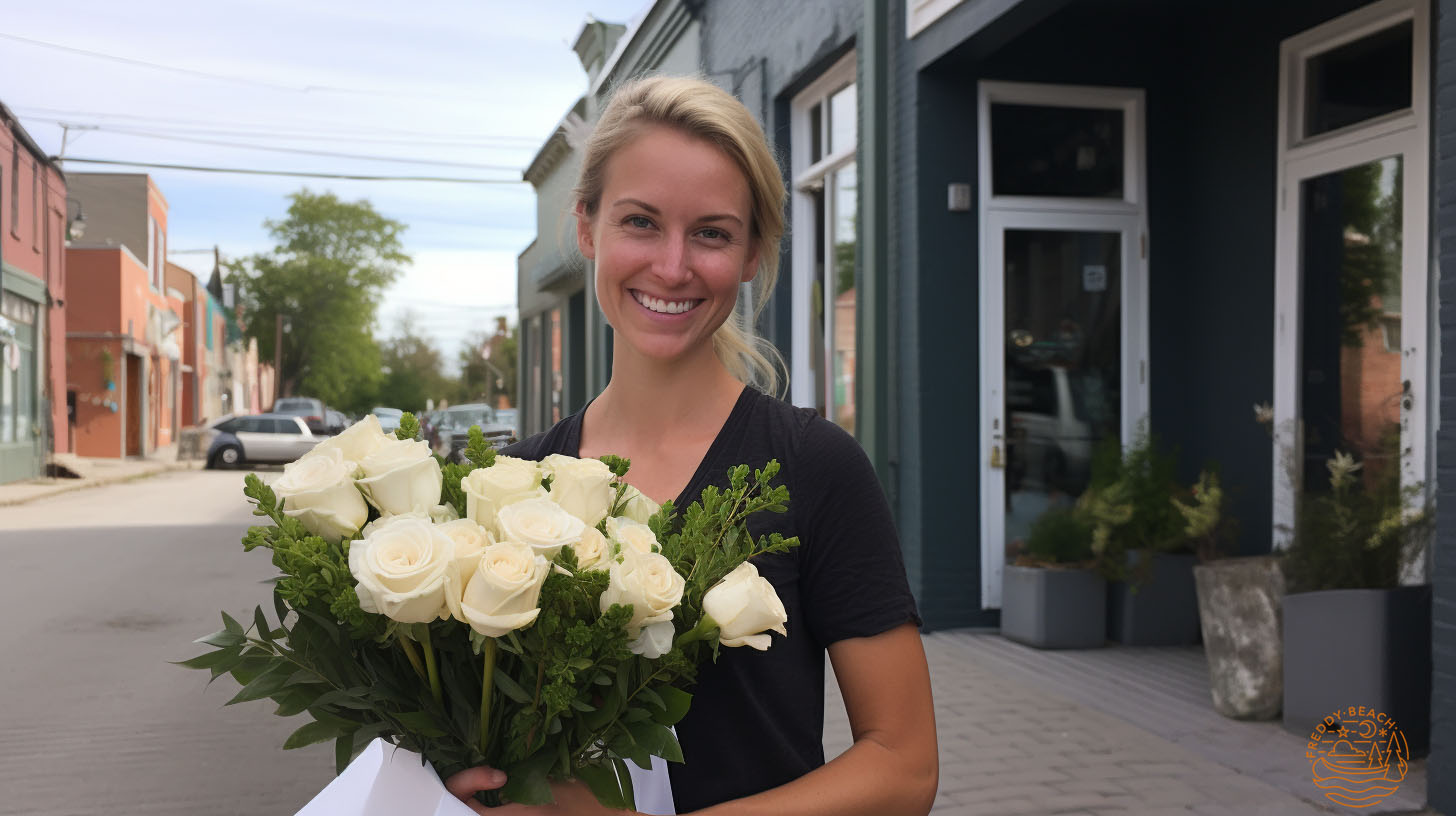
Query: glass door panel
[1063, 366]
[1350, 367]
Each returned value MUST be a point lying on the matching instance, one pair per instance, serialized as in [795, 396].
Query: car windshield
[466, 418]
[287, 404]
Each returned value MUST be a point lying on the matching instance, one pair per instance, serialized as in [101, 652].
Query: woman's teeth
[664, 306]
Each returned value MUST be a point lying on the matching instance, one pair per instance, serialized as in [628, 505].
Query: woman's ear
[750, 269]
[584, 239]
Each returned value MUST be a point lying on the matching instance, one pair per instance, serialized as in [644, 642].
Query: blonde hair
[699, 108]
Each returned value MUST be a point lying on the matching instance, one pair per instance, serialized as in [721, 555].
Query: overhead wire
[289, 173]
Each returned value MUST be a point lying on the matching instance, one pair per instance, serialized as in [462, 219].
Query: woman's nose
[672, 266]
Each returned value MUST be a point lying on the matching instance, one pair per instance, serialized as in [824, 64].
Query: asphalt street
[102, 588]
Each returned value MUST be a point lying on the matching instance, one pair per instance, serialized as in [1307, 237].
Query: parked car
[509, 416]
[258, 438]
[337, 421]
[388, 417]
[452, 430]
[313, 411]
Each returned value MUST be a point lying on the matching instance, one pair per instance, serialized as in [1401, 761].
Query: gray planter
[1359, 647]
[1053, 608]
[1239, 609]
[1162, 610]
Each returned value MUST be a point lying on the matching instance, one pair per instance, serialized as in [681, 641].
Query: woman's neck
[648, 399]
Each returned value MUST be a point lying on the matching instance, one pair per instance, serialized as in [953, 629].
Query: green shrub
[1059, 536]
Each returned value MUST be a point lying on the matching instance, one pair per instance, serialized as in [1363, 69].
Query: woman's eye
[639, 221]
[713, 234]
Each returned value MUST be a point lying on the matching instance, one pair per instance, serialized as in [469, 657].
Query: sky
[474, 86]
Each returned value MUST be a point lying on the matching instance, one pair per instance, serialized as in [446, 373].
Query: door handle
[998, 461]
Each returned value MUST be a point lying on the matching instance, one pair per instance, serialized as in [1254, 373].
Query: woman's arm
[893, 766]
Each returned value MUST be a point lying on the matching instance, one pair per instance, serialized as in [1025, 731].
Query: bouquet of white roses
[542, 618]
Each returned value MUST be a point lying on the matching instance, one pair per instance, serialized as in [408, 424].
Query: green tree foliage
[413, 369]
[325, 278]
[484, 380]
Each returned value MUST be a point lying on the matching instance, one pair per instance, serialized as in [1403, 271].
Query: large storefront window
[826, 196]
[18, 397]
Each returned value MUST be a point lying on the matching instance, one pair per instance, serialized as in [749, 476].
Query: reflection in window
[1351, 314]
[1039, 150]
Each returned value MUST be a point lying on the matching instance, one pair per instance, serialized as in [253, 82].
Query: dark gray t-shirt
[757, 719]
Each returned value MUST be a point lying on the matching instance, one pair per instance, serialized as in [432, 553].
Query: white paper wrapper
[386, 781]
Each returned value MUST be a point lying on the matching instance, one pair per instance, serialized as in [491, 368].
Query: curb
[72, 485]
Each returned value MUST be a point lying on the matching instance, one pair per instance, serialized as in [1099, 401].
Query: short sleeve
[853, 573]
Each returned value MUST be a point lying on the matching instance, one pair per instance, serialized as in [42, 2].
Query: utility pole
[278, 358]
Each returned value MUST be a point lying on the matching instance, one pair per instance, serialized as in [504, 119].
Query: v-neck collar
[715, 451]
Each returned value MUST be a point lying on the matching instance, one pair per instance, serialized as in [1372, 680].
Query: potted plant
[1238, 610]
[1353, 635]
[1051, 597]
[1140, 546]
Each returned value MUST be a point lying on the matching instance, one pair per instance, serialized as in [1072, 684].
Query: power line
[265, 130]
[303, 152]
[291, 173]
[216, 76]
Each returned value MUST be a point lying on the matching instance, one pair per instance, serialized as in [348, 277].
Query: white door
[1063, 352]
[1061, 366]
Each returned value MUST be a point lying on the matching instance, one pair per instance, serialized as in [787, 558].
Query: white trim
[1127, 217]
[801, 374]
[1404, 134]
[921, 14]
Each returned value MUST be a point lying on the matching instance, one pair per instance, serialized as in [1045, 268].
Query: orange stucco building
[124, 343]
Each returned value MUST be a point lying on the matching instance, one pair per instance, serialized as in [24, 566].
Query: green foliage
[485, 379]
[1061, 535]
[1359, 535]
[413, 369]
[324, 278]
[1206, 527]
[409, 427]
[1129, 503]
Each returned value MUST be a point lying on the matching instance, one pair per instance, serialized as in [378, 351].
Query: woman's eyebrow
[637, 202]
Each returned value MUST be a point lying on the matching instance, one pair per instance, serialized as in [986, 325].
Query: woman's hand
[572, 798]
[465, 784]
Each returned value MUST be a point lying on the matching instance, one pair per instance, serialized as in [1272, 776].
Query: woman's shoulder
[563, 437]
[800, 433]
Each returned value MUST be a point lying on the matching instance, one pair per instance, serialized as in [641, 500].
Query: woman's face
[671, 240]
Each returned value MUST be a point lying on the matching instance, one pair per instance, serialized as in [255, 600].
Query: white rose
[541, 524]
[654, 642]
[401, 569]
[637, 507]
[592, 551]
[357, 441]
[648, 582]
[439, 514]
[503, 593]
[319, 491]
[470, 541]
[401, 477]
[507, 481]
[582, 486]
[745, 606]
[629, 535]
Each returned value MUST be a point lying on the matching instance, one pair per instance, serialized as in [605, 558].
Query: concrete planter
[1162, 610]
[1239, 609]
[1053, 608]
[1359, 647]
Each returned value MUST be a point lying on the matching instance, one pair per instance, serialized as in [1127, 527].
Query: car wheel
[229, 456]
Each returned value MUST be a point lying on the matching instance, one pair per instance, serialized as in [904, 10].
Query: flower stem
[706, 626]
[430, 667]
[409, 651]
[487, 682]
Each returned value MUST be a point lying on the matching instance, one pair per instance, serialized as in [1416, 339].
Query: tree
[324, 280]
[486, 378]
[412, 369]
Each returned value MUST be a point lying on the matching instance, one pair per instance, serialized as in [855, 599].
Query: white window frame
[1405, 134]
[151, 251]
[1126, 216]
[805, 176]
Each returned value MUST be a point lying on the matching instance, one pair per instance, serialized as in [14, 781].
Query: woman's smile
[665, 306]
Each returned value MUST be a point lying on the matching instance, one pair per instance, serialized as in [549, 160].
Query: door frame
[1405, 134]
[1127, 216]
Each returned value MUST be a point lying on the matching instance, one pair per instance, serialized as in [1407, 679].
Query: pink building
[33, 220]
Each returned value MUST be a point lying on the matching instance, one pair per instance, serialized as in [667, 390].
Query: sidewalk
[94, 473]
[1103, 731]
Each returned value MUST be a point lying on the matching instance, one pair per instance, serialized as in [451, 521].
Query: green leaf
[343, 752]
[264, 685]
[528, 783]
[602, 779]
[231, 624]
[510, 687]
[260, 624]
[626, 778]
[409, 427]
[650, 697]
[210, 660]
[223, 639]
[312, 733]
[678, 702]
[657, 740]
[421, 723]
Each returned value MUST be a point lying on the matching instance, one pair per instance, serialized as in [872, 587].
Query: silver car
[259, 438]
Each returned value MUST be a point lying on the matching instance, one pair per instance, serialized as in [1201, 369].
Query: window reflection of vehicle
[1054, 425]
